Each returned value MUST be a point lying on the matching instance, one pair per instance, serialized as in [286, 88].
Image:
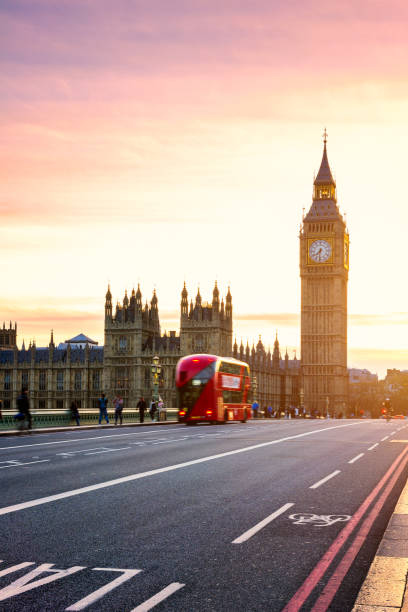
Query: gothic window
[123, 343]
[42, 381]
[41, 404]
[78, 381]
[24, 379]
[60, 404]
[60, 381]
[96, 380]
[7, 380]
[121, 378]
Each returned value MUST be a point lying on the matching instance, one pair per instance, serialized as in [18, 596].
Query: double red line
[333, 585]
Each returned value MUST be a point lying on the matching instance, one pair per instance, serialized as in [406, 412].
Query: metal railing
[64, 418]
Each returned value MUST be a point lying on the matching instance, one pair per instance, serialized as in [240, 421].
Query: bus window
[231, 397]
[191, 391]
[230, 368]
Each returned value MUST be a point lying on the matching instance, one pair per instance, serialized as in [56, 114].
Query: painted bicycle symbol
[319, 520]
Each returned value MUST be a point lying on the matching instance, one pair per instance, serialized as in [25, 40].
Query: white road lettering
[373, 446]
[159, 597]
[127, 574]
[356, 458]
[23, 584]
[248, 534]
[14, 568]
[325, 479]
[110, 483]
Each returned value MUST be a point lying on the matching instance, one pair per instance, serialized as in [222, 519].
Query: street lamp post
[302, 397]
[156, 370]
[327, 406]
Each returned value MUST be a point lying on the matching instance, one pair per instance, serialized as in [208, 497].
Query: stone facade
[78, 369]
[324, 264]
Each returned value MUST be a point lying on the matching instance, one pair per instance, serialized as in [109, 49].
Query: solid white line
[373, 446]
[159, 597]
[385, 438]
[136, 433]
[323, 480]
[248, 534]
[169, 468]
[356, 458]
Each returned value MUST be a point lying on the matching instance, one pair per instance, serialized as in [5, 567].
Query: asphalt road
[265, 515]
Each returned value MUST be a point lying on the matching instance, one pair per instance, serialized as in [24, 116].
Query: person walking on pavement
[152, 410]
[23, 406]
[141, 405]
[75, 411]
[103, 412]
[118, 405]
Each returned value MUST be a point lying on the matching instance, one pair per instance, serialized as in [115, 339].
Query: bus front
[196, 391]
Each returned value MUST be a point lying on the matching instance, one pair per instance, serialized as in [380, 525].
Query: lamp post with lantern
[156, 371]
[302, 397]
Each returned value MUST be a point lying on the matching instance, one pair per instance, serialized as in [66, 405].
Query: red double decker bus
[213, 389]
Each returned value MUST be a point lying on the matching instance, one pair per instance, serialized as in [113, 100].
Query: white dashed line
[159, 597]
[373, 446]
[248, 534]
[356, 458]
[385, 438]
[323, 480]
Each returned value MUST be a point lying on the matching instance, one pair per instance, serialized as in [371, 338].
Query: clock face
[320, 251]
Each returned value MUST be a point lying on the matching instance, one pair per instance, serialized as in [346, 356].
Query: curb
[385, 587]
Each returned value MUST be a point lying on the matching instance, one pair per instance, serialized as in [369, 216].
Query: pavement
[385, 588]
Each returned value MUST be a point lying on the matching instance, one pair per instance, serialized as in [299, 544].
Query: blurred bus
[212, 389]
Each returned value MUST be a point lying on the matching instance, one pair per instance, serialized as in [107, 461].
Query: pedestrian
[269, 411]
[23, 406]
[141, 405]
[152, 410]
[118, 405]
[162, 410]
[75, 411]
[255, 407]
[103, 412]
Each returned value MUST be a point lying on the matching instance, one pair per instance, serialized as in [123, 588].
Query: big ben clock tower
[324, 264]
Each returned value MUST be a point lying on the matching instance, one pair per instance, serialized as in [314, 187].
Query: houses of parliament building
[80, 369]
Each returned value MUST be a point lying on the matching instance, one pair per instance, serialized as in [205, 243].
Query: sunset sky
[158, 141]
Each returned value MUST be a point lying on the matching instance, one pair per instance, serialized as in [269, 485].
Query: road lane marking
[319, 520]
[136, 433]
[373, 446]
[248, 534]
[159, 597]
[356, 458]
[325, 479]
[110, 483]
[301, 595]
[167, 441]
[16, 463]
[127, 574]
[108, 450]
[399, 441]
[385, 438]
[29, 582]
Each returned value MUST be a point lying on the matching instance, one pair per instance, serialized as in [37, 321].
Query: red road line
[335, 581]
[322, 566]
